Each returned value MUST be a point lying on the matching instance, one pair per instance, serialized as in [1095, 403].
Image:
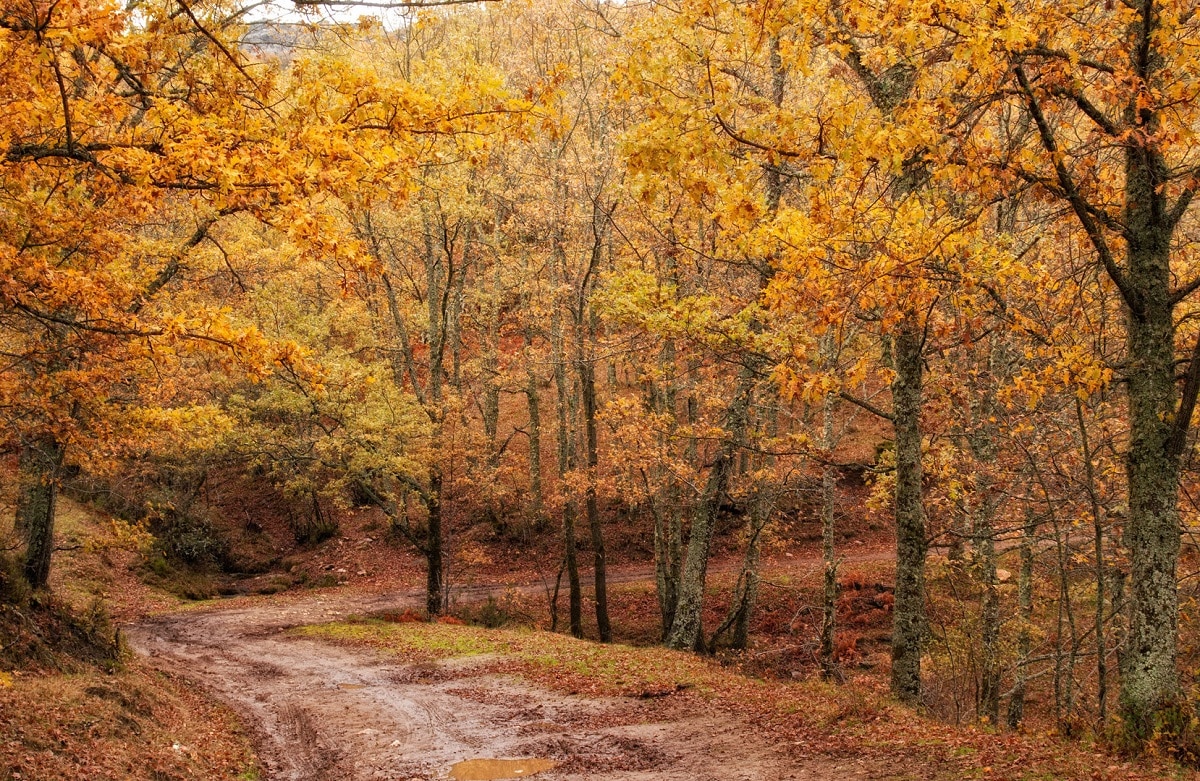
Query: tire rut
[321, 711]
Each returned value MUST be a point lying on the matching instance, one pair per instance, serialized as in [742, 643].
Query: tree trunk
[434, 580]
[829, 592]
[982, 440]
[668, 514]
[908, 626]
[1016, 704]
[737, 622]
[587, 381]
[989, 620]
[1150, 681]
[533, 402]
[566, 462]
[687, 630]
[1098, 562]
[36, 504]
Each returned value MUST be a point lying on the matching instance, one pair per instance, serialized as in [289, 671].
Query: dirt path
[322, 711]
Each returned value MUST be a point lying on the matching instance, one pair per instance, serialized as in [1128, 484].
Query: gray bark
[566, 462]
[1016, 703]
[668, 514]
[1098, 563]
[587, 387]
[36, 504]
[908, 625]
[829, 590]
[1159, 416]
[587, 381]
[687, 630]
[736, 626]
[533, 404]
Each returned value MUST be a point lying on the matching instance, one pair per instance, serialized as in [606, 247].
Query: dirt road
[324, 712]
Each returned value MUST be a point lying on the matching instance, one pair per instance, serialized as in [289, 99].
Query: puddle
[352, 686]
[489, 769]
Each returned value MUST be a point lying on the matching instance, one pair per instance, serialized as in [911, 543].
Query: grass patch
[416, 642]
[556, 661]
[812, 717]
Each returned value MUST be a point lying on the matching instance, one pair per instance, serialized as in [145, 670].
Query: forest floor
[326, 710]
[340, 682]
[345, 684]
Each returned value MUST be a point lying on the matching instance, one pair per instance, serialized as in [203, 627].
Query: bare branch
[216, 42]
[1093, 112]
[868, 406]
[1187, 405]
[729, 131]
[1083, 210]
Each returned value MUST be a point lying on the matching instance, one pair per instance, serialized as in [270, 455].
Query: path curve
[321, 711]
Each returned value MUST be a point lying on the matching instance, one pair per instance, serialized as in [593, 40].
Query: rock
[1003, 575]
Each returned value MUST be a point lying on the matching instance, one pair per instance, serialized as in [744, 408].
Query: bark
[490, 403]
[888, 90]
[908, 626]
[1016, 703]
[434, 580]
[733, 458]
[1150, 680]
[668, 514]
[1159, 416]
[443, 300]
[440, 290]
[566, 462]
[736, 625]
[1064, 668]
[533, 404]
[989, 688]
[36, 504]
[687, 630]
[584, 331]
[533, 401]
[829, 591]
[982, 441]
[1098, 562]
[665, 586]
[587, 381]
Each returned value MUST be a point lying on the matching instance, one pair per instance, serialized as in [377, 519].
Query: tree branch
[1083, 210]
[174, 264]
[1180, 207]
[216, 42]
[868, 406]
[729, 131]
[1092, 111]
[1187, 405]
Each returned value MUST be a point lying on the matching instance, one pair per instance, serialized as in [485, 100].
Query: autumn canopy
[706, 269]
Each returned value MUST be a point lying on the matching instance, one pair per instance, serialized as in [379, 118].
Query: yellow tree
[130, 135]
[102, 137]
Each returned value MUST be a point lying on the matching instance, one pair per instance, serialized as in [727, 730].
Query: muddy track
[322, 711]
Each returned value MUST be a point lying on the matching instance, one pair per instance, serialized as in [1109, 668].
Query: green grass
[563, 661]
[853, 719]
[421, 642]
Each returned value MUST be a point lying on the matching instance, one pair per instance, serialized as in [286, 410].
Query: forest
[577, 285]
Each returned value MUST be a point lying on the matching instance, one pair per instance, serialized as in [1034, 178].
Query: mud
[322, 711]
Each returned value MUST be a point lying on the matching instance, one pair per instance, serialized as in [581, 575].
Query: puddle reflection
[489, 769]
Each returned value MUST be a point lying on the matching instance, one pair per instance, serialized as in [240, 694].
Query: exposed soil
[324, 711]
